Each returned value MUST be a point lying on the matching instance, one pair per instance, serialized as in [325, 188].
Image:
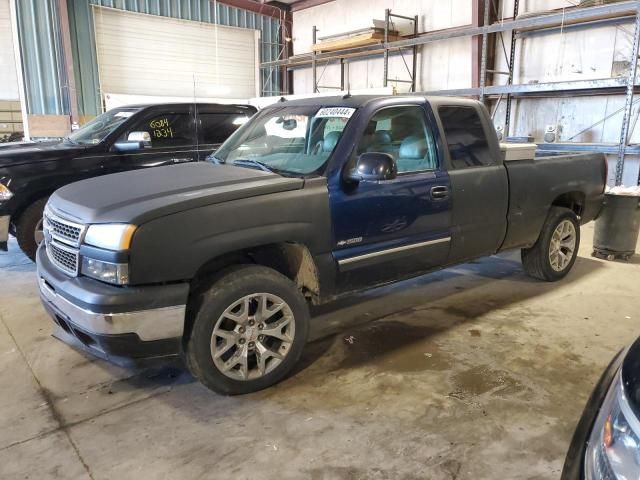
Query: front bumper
[133, 322]
[4, 231]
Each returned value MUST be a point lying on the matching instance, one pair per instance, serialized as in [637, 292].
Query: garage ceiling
[142, 54]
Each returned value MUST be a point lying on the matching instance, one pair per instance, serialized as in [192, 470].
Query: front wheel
[555, 252]
[29, 231]
[249, 330]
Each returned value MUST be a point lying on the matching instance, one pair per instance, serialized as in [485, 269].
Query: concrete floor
[474, 372]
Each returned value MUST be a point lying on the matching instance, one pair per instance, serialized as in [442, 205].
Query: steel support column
[385, 68]
[72, 94]
[415, 55]
[313, 59]
[485, 48]
[512, 59]
[476, 43]
[631, 80]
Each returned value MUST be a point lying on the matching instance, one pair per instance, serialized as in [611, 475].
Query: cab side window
[466, 138]
[402, 133]
[215, 128]
[166, 130]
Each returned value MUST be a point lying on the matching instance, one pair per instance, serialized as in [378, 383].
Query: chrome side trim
[346, 261]
[4, 228]
[153, 324]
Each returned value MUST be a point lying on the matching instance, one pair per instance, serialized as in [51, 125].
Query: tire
[244, 287]
[539, 261]
[30, 219]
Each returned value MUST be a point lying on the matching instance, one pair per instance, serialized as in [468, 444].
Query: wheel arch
[291, 259]
[574, 201]
[26, 203]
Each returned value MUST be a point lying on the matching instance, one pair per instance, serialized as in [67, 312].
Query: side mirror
[143, 137]
[128, 146]
[135, 141]
[373, 167]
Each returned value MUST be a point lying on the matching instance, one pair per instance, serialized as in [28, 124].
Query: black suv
[125, 138]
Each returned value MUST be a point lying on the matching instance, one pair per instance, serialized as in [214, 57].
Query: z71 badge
[350, 241]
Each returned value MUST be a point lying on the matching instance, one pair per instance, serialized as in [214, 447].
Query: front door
[397, 228]
[172, 140]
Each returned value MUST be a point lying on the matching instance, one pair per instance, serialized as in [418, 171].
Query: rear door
[215, 126]
[172, 134]
[396, 228]
[479, 182]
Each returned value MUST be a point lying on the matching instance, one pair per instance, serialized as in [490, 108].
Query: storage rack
[566, 18]
[343, 55]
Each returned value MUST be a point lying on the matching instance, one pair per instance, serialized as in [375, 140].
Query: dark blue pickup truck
[310, 200]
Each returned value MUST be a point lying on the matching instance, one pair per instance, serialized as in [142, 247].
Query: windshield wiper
[212, 158]
[254, 163]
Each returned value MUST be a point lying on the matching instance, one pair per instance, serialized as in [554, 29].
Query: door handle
[439, 192]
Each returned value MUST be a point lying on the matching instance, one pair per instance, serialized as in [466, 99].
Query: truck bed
[536, 183]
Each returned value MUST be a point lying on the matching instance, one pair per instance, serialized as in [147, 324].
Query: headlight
[613, 451]
[111, 236]
[116, 273]
[5, 193]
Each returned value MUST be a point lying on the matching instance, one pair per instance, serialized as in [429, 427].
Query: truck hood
[142, 195]
[33, 152]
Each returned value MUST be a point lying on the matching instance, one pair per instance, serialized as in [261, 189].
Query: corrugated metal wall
[40, 44]
[42, 53]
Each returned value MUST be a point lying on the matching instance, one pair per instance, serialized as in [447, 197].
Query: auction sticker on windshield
[342, 112]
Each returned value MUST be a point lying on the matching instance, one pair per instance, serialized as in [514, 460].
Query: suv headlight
[613, 451]
[5, 193]
[110, 236]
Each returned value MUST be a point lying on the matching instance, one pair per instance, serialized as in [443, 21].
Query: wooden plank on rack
[364, 39]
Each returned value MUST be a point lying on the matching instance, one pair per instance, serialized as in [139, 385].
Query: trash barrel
[617, 227]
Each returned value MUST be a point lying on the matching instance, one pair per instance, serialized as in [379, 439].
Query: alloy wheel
[252, 336]
[562, 246]
[38, 232]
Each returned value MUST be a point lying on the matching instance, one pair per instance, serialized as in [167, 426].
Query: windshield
[97, 129]
[295, 140]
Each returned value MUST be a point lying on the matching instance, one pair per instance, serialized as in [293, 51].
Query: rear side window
[217, 127]
[466, 138]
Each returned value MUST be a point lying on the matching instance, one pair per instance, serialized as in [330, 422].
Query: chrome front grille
[61, 229]
[62, 239]
[65, 258]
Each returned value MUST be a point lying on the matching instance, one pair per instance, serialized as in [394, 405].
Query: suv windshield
[97, 129]
[294, 140]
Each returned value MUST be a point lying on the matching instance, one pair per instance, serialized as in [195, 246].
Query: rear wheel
[249, 331]
[555, 252]
[29, 228]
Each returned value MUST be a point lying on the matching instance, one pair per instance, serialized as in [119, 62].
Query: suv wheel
[249, 330]
[29, 228]
[555, 251]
